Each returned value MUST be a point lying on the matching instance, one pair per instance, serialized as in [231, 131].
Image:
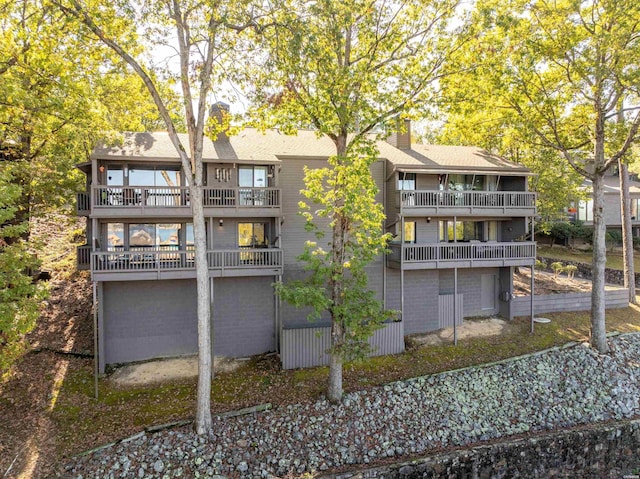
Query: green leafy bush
[571, 270]
[557, 268]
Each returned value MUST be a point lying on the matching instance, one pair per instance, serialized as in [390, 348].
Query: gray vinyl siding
[512, 229]
[294, 235]
[612, 214]
[425, 232]
[427, 182]
[293, 318]
[513, 183]
[392, 207]
[469, 284]
[153, 319]
[211, 179]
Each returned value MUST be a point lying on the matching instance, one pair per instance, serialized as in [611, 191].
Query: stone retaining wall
[612, 276]
[602, 451]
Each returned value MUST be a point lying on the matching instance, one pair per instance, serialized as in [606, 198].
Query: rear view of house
[459, 216]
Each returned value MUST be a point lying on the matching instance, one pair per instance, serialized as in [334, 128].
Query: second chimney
[400, 137]
[220, 112]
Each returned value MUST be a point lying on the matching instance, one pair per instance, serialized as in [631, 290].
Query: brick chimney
[401, 139]
[220, 111]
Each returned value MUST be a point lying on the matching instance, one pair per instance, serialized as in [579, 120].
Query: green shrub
[570, 269]
[557, 268]
[541, 265]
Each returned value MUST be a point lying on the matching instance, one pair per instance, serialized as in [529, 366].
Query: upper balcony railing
[162, 260]
[487, 200]
[474, 254]
[178, 197]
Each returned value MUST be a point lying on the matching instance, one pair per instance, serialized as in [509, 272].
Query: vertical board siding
[445, 310]
[555, 303]
[306, 347]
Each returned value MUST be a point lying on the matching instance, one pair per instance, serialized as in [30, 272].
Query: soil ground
[547, 283]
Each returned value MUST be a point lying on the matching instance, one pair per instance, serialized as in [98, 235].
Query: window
[406, 181]
[142, 235]
[466, 182]
[154, 176]
[410, 232]
[492, 231]
[462, 231]
[115, 236]
[585, 210]
[252, 235]
[249, 177]
[635, 203]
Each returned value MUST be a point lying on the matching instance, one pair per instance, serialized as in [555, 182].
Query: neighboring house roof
[252, 145]
[612, 185]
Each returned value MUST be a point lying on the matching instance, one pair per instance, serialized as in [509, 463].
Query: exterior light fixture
[221, 222]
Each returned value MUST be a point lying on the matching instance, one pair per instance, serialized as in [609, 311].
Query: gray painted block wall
[150, 319]
[469, 284]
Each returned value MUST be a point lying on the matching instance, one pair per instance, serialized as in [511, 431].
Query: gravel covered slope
[556, 389]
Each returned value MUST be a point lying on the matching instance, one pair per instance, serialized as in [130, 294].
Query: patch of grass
[614, 260]
[84, 422]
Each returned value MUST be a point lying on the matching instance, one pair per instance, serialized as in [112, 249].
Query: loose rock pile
[557, 389]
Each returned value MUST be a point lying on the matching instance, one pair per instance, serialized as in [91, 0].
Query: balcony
[83, 204]
[461, 255]
[83, 255]
[143, 264]
[132, 201]
[486, 203]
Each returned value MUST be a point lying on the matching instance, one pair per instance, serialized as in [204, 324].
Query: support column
[96, 365]
[211, 318]
[455, 300]
[533, 273]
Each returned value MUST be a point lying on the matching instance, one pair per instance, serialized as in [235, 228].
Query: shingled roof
[271, 146]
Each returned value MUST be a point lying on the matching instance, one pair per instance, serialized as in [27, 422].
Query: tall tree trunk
[598, 328]
[334, 386]
[203, 408]
[627, 236]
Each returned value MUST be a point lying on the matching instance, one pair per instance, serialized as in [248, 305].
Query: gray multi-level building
[459, 216]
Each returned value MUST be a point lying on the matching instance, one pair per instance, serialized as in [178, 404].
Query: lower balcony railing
[162, 261]
[472, 253]
[83, 254]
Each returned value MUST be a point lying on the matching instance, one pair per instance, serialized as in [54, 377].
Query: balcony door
[249, 178]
